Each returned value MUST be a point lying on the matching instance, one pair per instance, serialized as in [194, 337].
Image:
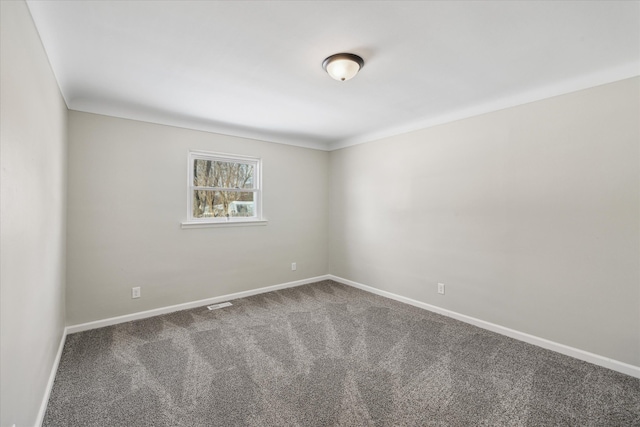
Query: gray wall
[529, 215]
[32, 217]
[128, 194]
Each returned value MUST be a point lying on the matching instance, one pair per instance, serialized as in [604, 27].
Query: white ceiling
[253, 68]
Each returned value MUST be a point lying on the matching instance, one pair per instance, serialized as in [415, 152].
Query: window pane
[211, 173]
[220, 204]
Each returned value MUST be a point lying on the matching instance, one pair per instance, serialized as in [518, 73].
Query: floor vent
[221, 305]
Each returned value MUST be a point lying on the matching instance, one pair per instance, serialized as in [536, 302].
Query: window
[223, 189]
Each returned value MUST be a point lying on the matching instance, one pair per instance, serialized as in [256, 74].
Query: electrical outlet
[441, 288]
[135, 292]
[294, 267]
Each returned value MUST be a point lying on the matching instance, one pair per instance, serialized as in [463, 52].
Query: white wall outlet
[135, 292]
[441, 288]
[294, 267]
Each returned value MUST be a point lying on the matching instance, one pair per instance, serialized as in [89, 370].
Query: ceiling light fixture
[343, 66]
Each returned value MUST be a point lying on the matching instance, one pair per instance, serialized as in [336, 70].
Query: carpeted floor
[321, 355]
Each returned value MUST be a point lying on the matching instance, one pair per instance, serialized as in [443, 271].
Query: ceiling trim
[193, 124]
[572, 85]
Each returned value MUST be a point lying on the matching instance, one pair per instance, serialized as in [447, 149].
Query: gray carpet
[321, 355]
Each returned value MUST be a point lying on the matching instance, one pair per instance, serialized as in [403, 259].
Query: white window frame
[256, 162]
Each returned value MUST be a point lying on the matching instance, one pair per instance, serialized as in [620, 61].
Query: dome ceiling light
[343, 66]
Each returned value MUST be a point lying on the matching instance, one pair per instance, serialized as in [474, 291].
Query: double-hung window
[223, 188]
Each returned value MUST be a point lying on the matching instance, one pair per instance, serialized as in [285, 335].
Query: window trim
[257, 219]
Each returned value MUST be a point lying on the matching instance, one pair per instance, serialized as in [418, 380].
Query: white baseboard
[150, 313]
[52, 377]
[586, 356]
[185, 306]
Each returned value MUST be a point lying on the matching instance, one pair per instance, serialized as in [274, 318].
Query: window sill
[238, 223]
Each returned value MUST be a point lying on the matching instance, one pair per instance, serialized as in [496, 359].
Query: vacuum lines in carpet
[326, 354]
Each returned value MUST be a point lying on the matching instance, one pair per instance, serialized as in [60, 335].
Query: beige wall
[32, 217]
[529, 215]
[128, 195]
